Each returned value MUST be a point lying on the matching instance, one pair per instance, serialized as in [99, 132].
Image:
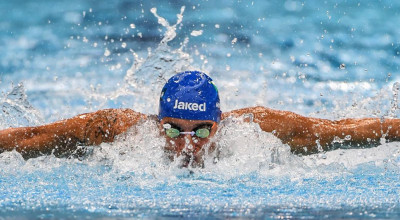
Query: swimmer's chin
[193, 161]
[187, 158]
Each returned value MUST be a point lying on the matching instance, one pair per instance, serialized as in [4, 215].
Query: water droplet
[396, 86]
[107, 53]
[196, 33]
[234, 40]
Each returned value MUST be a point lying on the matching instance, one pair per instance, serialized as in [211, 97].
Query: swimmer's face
[190, 146]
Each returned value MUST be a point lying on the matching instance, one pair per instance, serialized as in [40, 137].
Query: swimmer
[189, 115]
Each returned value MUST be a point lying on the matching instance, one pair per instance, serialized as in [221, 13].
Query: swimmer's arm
[85, 129]
[306, 135]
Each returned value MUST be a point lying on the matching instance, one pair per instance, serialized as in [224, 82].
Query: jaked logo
[190, 106]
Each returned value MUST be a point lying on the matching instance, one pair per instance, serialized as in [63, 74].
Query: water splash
[395, 100]
[252, 170]
[126, 181]
[144, 80]
[170, 34]
[140, 149]
[263, 153]
[242, 148]
[17, 111]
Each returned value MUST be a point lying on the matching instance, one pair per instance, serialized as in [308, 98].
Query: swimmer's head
[189, 114]
[190, 95]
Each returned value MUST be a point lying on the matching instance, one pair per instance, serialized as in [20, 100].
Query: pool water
[328, 59]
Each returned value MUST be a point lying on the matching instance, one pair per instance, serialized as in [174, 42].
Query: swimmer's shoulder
[270, 119]
[129, 114]
[257, 112]
[103, 125]
[121, 114]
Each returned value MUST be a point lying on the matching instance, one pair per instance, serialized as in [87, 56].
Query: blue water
[329, 59]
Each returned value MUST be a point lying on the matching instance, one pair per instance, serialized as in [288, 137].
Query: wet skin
[191, 148]
[301, 133]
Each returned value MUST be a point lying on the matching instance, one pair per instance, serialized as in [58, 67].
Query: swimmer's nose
[189, 137]
[190, 141]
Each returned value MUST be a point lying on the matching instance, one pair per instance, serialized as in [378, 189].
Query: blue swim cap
[190, 95]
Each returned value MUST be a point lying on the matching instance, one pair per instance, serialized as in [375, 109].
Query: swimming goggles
[201, 132]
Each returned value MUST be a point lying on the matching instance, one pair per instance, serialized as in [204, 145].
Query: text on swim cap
[190, 106]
